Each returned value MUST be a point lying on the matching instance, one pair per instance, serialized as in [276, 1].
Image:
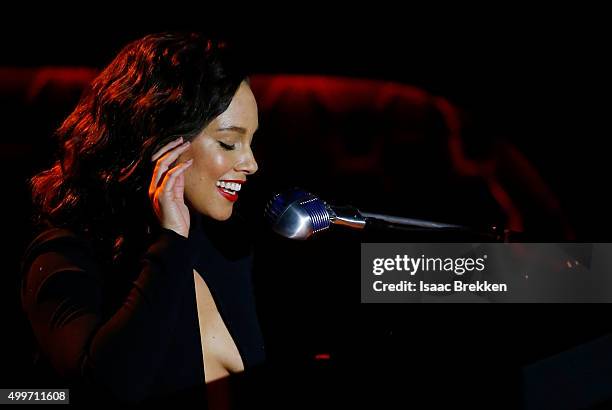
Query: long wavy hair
[156, 89]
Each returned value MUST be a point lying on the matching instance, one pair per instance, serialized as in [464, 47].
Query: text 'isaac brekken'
[456, 286]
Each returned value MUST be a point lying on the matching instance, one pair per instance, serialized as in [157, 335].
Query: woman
[132, 287]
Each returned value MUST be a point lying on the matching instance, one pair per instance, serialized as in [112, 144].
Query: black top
[131, 335]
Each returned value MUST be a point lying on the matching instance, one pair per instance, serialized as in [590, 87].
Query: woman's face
[222, 155]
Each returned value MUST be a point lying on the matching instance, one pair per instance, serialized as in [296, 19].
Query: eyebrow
[240, 130]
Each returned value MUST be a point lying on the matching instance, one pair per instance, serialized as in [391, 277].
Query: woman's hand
[167, 188]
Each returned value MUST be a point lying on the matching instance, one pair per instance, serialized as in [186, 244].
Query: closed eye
[226, 146]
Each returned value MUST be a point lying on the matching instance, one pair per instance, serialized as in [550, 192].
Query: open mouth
[229, 189]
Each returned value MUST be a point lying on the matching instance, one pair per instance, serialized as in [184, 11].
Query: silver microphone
[297, 214]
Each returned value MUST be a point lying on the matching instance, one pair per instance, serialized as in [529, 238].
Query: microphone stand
[353, 218]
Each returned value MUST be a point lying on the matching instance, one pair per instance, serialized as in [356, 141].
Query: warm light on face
[221, 152]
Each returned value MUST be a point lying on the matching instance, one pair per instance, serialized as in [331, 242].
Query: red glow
[322, 356]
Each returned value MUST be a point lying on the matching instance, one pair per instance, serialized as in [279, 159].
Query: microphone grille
[284, 209]
[318, 213]
[275, 207]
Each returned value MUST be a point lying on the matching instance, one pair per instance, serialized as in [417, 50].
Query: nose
[247, 164]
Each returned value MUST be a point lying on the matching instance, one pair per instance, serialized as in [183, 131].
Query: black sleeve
[62, 297]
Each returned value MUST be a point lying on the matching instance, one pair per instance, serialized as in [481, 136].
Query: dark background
[539, 81]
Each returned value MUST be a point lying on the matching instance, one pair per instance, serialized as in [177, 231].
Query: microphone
[298, 214]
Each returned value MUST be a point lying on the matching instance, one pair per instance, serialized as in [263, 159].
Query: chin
[224, 217]
[220, 215]
[213, 210]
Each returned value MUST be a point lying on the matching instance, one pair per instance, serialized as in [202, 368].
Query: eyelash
[226, 147]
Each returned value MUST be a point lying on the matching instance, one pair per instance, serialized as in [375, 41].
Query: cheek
[206, 164]
[218, 164]
[209, 167]
[214, 164]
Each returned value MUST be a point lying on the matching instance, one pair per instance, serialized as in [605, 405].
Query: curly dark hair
[157, 88]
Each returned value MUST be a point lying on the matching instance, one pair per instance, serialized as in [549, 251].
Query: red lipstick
[227, 195]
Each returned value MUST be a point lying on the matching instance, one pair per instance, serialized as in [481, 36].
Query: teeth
[234, 186]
